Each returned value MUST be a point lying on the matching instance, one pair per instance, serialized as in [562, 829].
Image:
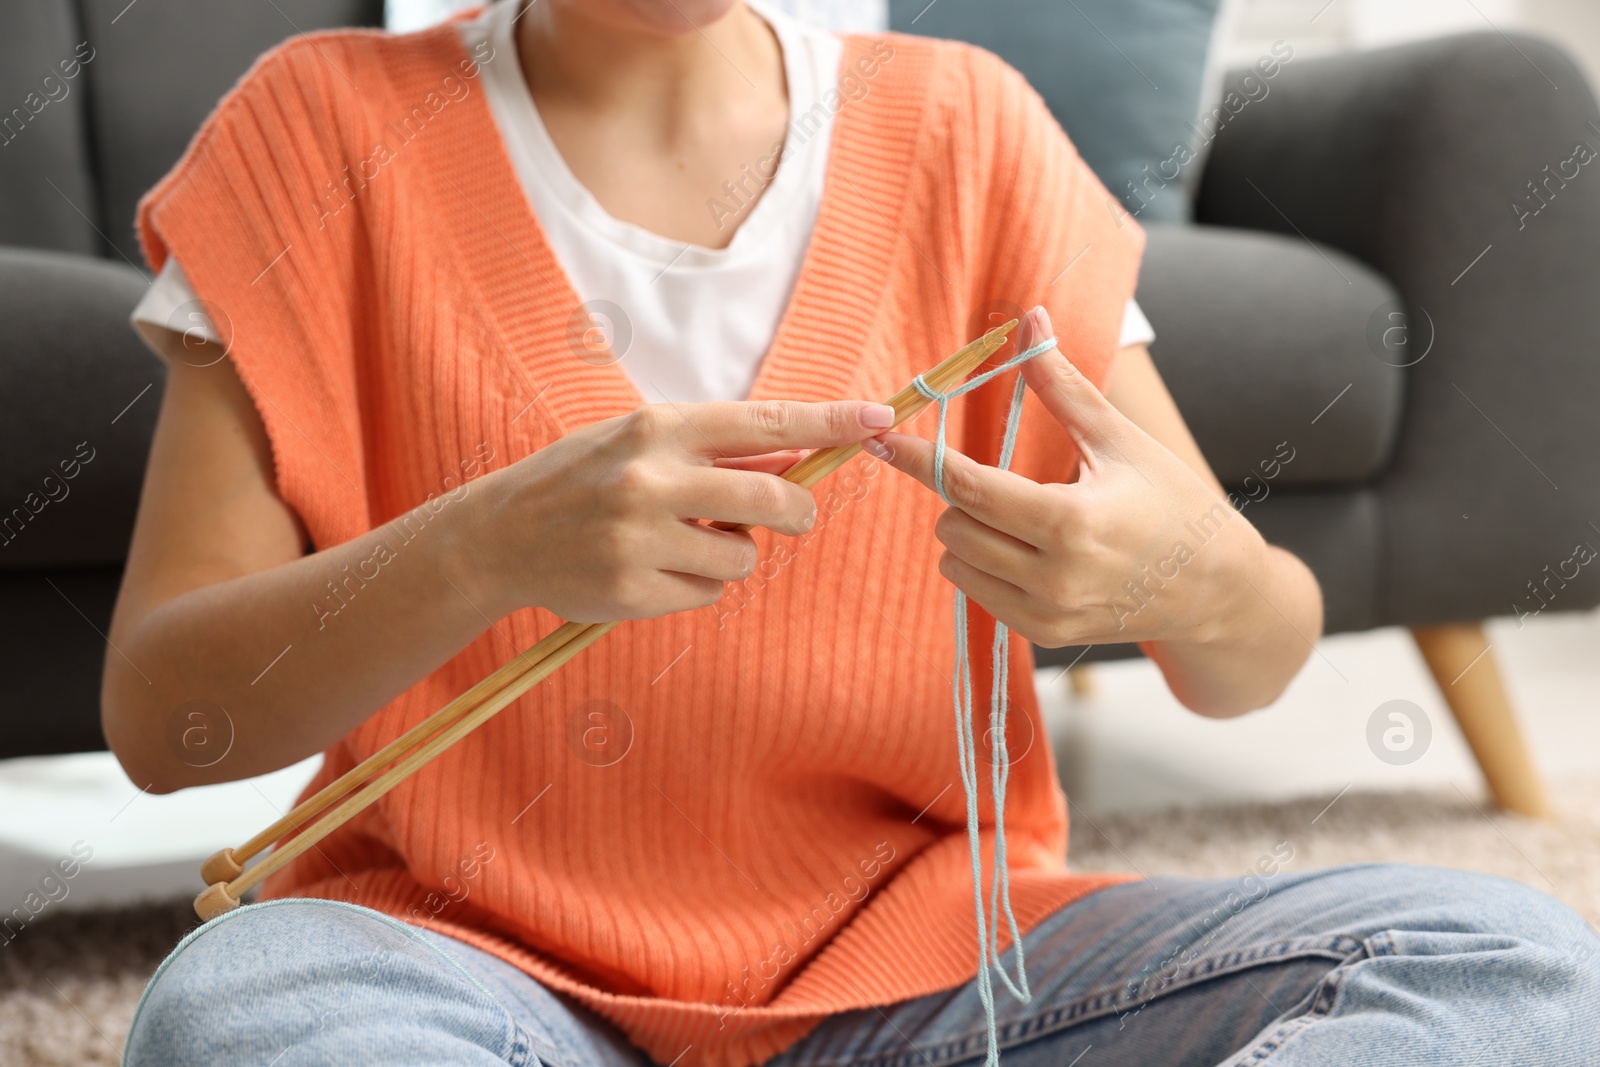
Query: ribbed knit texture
[784, 839]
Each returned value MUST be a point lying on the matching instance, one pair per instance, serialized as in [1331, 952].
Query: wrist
[459, 554]
[1232, 601]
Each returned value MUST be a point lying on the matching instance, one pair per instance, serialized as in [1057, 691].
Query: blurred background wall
[1320, 26]
[1247, 27]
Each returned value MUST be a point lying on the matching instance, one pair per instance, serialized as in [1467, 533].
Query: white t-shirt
[688, 323]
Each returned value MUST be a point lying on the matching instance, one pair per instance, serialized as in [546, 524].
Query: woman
[468, 330]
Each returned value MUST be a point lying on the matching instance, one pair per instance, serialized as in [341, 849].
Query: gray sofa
[1392, 273]
[72, 373]
[1356, 219]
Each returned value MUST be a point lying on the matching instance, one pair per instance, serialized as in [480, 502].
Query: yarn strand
[999, 903]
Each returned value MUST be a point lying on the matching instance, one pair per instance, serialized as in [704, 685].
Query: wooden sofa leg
[1082, 681]
[1464, 668]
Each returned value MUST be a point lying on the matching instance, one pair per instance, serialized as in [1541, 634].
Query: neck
[672, 75]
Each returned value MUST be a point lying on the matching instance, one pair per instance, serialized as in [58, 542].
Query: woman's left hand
[1139, 548]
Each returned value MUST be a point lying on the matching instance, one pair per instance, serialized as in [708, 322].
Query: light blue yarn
[1000, 764]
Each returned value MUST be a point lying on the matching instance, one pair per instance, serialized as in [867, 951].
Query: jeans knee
[1492, 904]
[1426, 901]
[175, 1021]
[236, 988]
[1543, 921]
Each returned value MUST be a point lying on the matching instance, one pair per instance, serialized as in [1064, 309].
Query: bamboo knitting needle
[224, 872]
[228, 864]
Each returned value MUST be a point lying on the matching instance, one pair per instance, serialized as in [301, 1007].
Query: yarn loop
[1000, 760]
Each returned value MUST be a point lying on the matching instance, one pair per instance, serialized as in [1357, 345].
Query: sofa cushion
[50, 699]
[42, 129]
[1123, 77]
[163, 66]
[82, 393]
[1256, 336]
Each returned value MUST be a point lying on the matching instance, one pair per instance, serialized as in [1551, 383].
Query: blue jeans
[1356, 965]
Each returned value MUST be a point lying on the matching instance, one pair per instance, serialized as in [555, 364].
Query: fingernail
[877, 416]
[877, 449]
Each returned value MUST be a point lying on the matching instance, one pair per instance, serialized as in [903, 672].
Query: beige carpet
[1443, 829]
[69, 984]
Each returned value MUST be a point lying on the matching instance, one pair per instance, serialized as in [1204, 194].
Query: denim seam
[1270, 1044]
[543, 1045]
[522, 1054]
[406, 928]
[1382, 944]
[1338, 948]
[1322, 1002]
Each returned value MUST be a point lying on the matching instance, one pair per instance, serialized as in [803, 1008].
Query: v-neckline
[827, 321]
[538, 160]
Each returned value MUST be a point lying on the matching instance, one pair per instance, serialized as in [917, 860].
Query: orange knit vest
[718, 827]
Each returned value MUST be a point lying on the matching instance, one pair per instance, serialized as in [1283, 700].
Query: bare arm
[218, 602]
[1268, 637]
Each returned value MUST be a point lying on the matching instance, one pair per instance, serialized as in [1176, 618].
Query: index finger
[723, 429]
[1001, 499]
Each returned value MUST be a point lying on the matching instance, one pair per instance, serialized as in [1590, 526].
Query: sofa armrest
[81, 396]
[1422, 161]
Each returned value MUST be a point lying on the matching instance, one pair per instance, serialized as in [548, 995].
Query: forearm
[1251, 613]
[291, 652]
[1265, 626]
[282, 662]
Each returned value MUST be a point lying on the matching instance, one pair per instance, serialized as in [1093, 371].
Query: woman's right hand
[609, 522]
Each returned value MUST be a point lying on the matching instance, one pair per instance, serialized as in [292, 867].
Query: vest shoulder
[953, 68]
[963, 86]
[335, 74]
[323, 88]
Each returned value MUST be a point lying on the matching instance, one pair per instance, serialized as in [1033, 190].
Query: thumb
[1072, 399]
